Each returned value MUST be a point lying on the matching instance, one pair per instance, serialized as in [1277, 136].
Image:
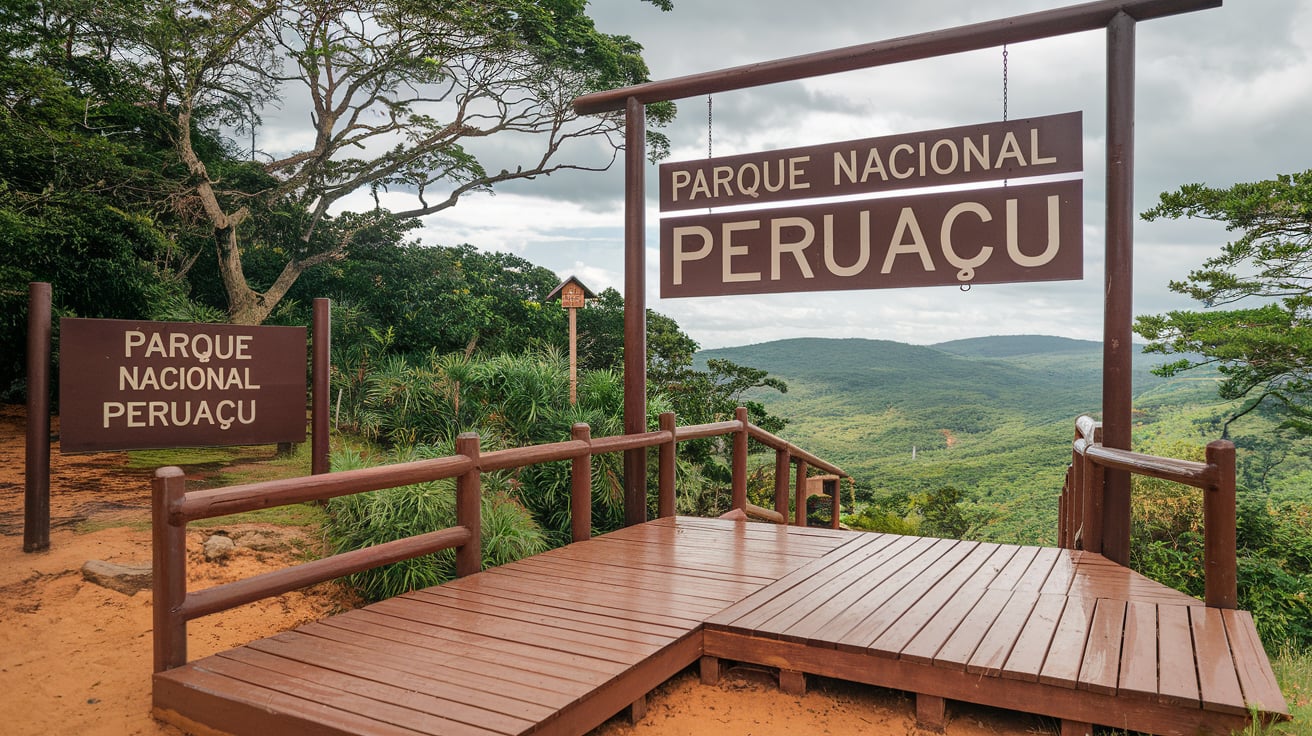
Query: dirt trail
[75, 658]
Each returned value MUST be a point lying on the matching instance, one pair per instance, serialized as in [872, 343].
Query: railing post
[835, 504]
[1063, 509]
[469, 512]
[667, 454]
[321, 345]
[1219, 527]
[169, 569]
[740, 460]
[580, 487]
[799, 506]
[782, 466]
[1091, 478]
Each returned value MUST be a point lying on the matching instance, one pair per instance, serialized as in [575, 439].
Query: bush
[368, 519]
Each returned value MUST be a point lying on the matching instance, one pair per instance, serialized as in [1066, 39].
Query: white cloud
[1223, 96]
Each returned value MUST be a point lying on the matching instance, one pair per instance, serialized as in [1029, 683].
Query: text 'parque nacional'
[1027, 232]
[126, 385]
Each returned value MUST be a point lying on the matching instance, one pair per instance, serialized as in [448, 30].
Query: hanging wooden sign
[1003, 234]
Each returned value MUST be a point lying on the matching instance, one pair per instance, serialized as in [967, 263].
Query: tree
[399, 94]
[1263, 351]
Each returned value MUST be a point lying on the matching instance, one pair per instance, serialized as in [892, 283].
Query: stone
[261, 541]
[217, 547]
[126, 579]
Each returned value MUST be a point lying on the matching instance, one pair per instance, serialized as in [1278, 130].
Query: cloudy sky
[1223, 96]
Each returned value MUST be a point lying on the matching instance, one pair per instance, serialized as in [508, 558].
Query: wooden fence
[1085, 524]
[174, 507]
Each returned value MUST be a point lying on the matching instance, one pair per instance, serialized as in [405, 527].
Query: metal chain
[708, 126]
[1004, 82]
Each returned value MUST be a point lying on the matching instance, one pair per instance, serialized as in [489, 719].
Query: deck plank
[1035, 641]
[1177, 682]
[1139, 654]
[996, 646]
[1066, 655]
[1218, 683]
[893, 639]
[557, 643]
[1101, 665]
[1253, 666]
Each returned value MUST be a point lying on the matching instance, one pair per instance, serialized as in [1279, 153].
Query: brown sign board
[962, 155]
[981, 236]
[126, 384]
[571, 296]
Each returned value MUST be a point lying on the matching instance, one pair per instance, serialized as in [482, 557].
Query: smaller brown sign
[981, 236]
[571, 296]
[967, 154]
[127, 384]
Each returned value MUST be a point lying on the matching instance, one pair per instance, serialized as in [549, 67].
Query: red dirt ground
[75, 658]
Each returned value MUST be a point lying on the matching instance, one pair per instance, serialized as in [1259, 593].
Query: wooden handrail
[1082, 524]
[174, 507]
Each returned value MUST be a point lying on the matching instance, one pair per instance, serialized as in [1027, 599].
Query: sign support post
[321, 339]
[635, 309]
[36, 500]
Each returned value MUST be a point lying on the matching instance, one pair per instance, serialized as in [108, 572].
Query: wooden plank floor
[559, 642]
[1057, 632]
[554, 644]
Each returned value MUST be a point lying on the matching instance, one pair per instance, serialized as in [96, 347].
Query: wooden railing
[1085, 524]
[174, 507]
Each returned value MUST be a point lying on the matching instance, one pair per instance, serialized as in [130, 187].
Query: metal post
[36, 499]
[635, 310]
[469, 507]
[580, 486]
[319, 386]
[169, 569]
[1118, 315]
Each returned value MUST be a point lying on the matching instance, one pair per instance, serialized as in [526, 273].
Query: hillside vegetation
[993, 417]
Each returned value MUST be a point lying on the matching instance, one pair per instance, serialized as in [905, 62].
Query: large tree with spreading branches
[1262, 347]
[398, 95]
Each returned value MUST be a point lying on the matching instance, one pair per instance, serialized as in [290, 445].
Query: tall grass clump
[364, 520]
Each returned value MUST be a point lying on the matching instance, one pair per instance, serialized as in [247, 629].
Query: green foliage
[368, 519]
[1264, 351]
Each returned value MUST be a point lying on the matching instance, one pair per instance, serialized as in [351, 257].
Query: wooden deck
[560, 642]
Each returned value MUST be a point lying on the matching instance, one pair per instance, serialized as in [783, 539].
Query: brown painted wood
[1139, 654]
[710, 670]
[559, 643]
[1055, 701]
[1035, 640]
[1074, 728]
[1177, 681]
[899, 633]
[931, 713]
[1251, 663]
[1102, 653]
[1218, 683]
[887, 602]
[1062, 665]
[792, 682]
[991, 655]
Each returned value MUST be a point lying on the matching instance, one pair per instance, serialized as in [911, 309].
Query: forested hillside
[992, 417]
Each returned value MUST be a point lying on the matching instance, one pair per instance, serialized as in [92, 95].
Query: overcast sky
[1223, 96]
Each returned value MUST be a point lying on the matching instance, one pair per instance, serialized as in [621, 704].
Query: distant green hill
[992, 416]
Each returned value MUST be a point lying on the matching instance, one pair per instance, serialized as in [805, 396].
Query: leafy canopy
[1263, 351]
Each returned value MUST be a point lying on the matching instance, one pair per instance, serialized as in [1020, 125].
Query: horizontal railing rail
[174, 507]
[1082, 520]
